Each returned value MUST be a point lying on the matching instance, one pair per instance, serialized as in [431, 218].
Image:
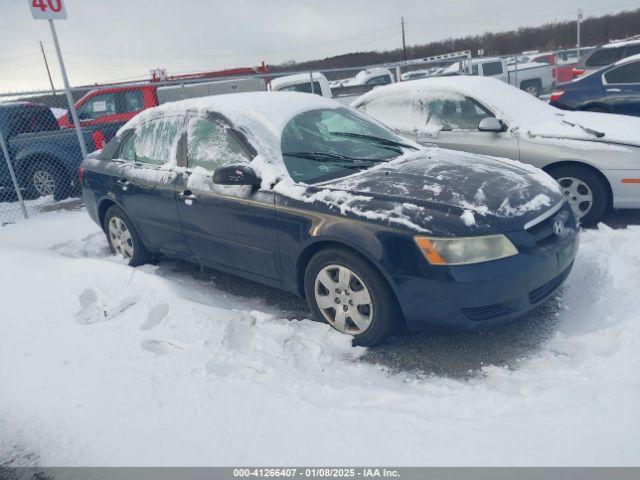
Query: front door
[149, 185]
[451, 121]
[229, 226]
[622, 88]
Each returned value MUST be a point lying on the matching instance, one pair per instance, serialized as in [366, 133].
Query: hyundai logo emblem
[558, 225]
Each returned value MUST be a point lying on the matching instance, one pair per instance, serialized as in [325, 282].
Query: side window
[392, 110]
[474, 69]
[379, 80]
[154, 143]
[453, 112]
[132, 101]
[127, 150]
[98, 106]
[492, 68]
[632, 50]
[210, 145]
[605, 56]
[628, 73]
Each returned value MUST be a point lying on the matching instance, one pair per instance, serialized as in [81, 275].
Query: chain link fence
[40, 152]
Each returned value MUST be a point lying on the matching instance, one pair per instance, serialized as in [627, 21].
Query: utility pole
[580, 16]
[404, 43]
[46, 64]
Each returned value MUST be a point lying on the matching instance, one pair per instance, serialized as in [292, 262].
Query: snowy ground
[102, 364]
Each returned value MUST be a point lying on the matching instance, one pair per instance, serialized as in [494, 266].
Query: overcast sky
[106, 40]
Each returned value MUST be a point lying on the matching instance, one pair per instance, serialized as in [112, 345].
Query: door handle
[188, 197]
[613, 90]
[124, 183]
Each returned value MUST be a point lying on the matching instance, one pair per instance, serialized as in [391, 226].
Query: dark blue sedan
[613, 89]
[304, 194]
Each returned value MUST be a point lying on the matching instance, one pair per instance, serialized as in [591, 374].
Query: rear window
[628, 73]
[492, 68]
[303, 87]
[604, 56]
[32, 119]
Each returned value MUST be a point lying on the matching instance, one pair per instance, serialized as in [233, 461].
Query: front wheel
[585, 191]
[345, 291]
[123, 238]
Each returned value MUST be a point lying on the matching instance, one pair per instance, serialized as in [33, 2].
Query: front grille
[548, 288]
[543, 233]
[486, 312]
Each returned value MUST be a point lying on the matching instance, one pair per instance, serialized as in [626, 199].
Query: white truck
[533, 78]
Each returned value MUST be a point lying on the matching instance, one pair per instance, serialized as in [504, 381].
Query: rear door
[622, 88]
[451, 121]
[149, 184]
[229, 226]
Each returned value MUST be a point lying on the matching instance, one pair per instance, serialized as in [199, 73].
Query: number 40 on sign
[48, 9]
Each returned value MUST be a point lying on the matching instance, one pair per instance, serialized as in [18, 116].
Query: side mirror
[236, 175]
[490, 124]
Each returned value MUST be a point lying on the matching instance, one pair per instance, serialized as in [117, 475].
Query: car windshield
[323, 144]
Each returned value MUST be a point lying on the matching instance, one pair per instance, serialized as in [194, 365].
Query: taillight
[98, 139]
[81, 175]
[555, 96]
[577, 72]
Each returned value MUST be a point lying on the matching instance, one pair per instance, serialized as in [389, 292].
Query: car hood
[588, 126]
[480, 193]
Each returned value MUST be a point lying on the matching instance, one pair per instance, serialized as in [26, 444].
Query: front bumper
[473, 295]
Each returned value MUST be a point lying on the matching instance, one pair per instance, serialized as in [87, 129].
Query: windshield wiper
[380, 140]
[593, 132]
[327, 157]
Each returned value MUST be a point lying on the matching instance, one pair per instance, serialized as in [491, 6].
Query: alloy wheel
[44, 182]
[578, 194]
[343, 299]
[120, 238]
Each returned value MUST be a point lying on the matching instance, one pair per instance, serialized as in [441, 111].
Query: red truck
[118, 104]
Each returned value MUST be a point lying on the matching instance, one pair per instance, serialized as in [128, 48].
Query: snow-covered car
[302, 82]
[370, 76]
[304, 194]
[595, 157]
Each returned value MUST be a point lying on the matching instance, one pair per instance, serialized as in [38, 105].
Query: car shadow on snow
[443, 352]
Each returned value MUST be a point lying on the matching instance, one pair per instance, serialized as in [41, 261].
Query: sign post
[51, 10]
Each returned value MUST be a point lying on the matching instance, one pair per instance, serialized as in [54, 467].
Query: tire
[574, 178]
[531, 87]
[45, 178]
[128, 245]
[376, 320]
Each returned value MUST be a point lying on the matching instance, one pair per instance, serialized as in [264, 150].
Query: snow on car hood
[522, 112]
[484, 192]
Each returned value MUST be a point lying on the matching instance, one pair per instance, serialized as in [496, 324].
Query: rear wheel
[345, 291]
[123, 238]
[532, 87]
[46, 179]
[585, 191]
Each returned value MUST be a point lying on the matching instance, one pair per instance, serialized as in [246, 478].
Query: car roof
[632, 58]
[268, 111]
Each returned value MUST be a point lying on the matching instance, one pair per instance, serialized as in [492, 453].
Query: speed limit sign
[48, 9]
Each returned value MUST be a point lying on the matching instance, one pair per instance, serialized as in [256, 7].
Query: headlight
[465, 250]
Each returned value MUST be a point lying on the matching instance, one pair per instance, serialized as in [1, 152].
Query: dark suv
[606, 55]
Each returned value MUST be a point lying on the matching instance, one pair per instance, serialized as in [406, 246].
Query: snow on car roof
[621, 43]
[520, 110]
[271, 110]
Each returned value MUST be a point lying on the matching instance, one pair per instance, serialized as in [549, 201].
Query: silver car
[595, 157]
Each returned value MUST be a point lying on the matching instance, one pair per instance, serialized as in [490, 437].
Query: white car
[595, 157]
[370, 76]
[302, 82]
